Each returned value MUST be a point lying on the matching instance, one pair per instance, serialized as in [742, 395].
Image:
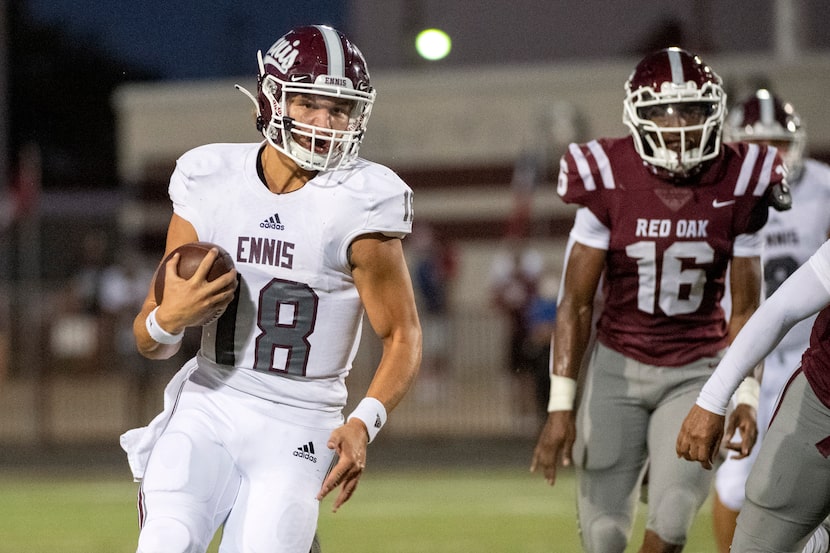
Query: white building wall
[443, 117]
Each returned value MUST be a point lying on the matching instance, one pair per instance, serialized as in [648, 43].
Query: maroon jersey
[816, 360]
[670, 244]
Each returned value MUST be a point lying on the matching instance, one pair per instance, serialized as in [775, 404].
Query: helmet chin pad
[306, 159]
[301, 156]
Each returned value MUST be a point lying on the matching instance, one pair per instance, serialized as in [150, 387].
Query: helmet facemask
[793, 157]
[280, 130]
[674, 106]
[693, 143]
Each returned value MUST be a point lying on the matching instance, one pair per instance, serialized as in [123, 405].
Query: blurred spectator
[86, 284]
[77, 340]
[95, 322]
[516, 270]
[122, 290]
[541, 322]
[434, 266]
[514, 278]
[92, 333]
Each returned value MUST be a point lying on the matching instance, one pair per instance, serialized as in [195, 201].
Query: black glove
[779, 196]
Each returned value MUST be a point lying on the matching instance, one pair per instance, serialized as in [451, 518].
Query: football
[191, 256]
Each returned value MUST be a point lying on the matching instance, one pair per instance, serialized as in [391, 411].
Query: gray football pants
[629, 416]
[788, 490]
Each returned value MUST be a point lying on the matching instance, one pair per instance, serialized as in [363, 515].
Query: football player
[786, 492]
[662, 213]
[790, 238]
[252, 434]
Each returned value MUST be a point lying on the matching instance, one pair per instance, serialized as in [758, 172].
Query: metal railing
[87, 392]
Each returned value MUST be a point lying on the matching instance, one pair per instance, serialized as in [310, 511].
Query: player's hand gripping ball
[191, 256]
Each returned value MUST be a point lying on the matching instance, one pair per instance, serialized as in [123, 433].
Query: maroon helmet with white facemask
[674, 79]
[313, 60]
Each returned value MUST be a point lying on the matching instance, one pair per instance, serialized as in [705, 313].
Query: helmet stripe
[334, 51]
[676, 65]
[767, 107]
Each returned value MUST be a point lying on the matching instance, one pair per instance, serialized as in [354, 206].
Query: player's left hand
[700, 436]
[742, 419]
[349, 441]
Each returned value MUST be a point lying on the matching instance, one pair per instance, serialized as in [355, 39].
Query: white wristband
[159, 334]
[372, 413]
[748, 392]
[562, 393]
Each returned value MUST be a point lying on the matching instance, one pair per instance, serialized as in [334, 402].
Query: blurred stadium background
[89, 141]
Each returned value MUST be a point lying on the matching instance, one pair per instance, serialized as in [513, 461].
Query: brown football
[191, 256]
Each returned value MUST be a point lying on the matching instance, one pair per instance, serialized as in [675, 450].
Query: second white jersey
[792, 236]
[292, 331]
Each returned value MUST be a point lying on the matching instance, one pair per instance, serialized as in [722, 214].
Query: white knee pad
[671, 519]
[165, 535]
[604, 534]
[730, 483]
[177, 465]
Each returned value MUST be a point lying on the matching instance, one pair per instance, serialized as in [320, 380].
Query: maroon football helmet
[313, 60]
[763, 117]
[675, 81]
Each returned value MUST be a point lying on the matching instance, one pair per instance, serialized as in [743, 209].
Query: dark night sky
[186, 39]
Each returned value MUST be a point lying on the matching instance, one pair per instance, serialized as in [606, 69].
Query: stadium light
[433, 44]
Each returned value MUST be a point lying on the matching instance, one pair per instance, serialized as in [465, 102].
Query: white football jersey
[292, 331]
[792, 236]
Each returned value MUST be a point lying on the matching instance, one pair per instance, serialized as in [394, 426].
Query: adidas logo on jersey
[306, 452]
[273, 222]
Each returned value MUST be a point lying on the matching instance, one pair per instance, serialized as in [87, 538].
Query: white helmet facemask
[652, 140]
